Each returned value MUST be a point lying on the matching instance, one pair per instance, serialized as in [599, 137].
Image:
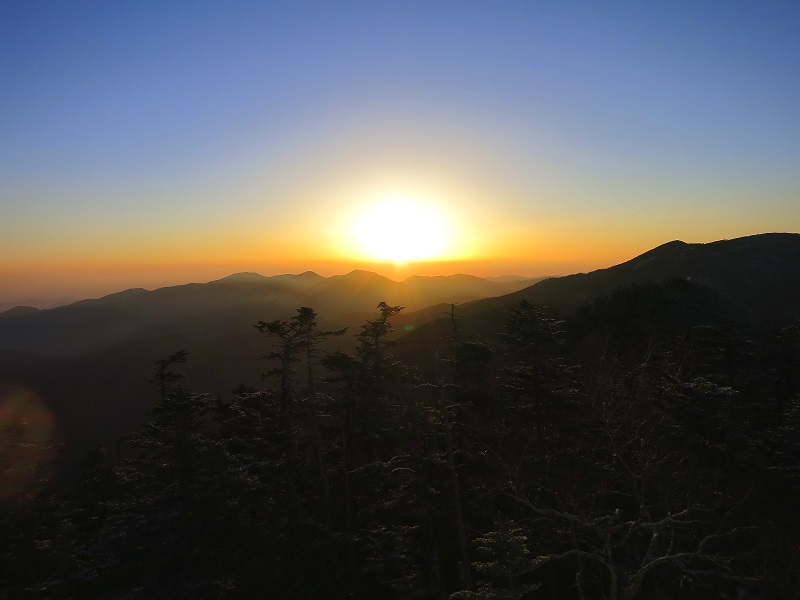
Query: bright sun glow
[400, 231]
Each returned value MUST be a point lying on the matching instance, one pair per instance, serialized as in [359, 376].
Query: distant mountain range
[205, 310]
[91, 360]
[36, 303]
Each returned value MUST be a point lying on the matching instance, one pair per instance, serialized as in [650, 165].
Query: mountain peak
[19, 310]
[675, 246]
[242, 277]
[362, 275]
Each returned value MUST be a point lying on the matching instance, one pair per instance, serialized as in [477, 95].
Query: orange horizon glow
[42, 280]
[254, 152]
[481, 242]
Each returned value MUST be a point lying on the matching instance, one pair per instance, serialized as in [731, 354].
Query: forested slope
[644, 447]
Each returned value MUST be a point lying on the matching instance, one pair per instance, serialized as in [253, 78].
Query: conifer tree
[503, 561]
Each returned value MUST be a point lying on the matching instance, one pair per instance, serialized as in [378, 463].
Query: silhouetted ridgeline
[219, 307]
[90, 360]
[758, 277]
[639, 438]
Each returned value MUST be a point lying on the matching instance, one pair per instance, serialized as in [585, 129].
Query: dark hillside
[89, 361]
[223, 305]
[758, 276]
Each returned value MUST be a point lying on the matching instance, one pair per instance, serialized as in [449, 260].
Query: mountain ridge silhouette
[758, 275]
[91, 361]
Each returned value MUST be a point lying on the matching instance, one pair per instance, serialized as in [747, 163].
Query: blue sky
[227, 134]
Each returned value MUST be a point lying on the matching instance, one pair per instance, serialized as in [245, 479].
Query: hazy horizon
[395, 272]
[153, 146]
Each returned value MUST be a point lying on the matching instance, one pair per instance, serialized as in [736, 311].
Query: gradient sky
[146, 144]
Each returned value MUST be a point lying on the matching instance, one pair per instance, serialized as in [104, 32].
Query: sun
[401, 230]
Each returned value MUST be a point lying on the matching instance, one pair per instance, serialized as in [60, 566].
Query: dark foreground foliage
[643, 447]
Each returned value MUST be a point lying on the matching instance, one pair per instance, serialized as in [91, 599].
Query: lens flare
[26, 430]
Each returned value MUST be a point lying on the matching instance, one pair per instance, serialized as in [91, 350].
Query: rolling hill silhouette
[757, 276]
[91, 361]
[231, 304]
